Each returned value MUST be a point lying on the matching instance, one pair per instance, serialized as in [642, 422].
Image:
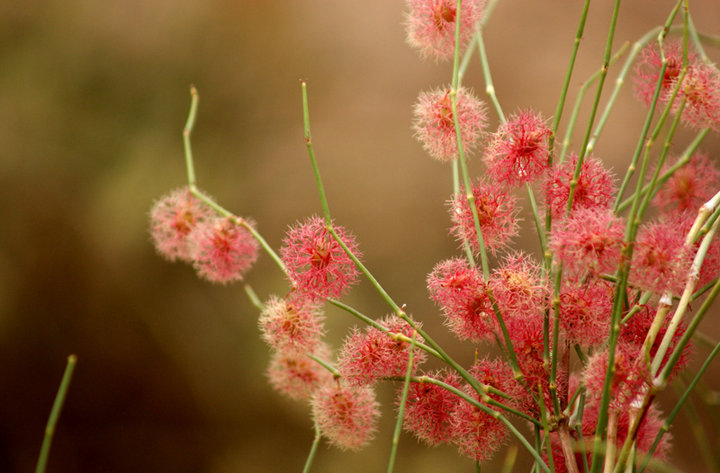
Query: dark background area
[170, 376]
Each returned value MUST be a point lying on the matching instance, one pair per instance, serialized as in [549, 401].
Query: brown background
[93, 97]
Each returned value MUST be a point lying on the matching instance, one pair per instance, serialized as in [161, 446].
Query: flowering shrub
[588, 333]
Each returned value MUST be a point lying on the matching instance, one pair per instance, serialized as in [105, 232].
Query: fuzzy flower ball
[460, 292]
[585, 310]
[316, 263]
[649, 66]
[371, 354]
[594, 188]
[291, 324]
[296, 375]
[700, 91]
[629, 379]
[172, 218]
[497, 215]
[346, 415]
[690, 187]
[431, 25]
[519, 287]
[429, 407]
[589, 241]
[222, 250]
[519, 150]
[434, 123]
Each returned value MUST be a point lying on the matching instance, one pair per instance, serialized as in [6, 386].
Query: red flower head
[172, 218]
[518, 152]
[431, 25]
[585, 311]
[629, 381]
[316, 263]
[648, 69]
[594, 188]
[700, 89]
[461, 293]
[346, 415]
[429, 407]
[497, 214]
[589, 241]
[690, 187]
[222, 250]
[372, 354]
[519, 288]
[434, 124]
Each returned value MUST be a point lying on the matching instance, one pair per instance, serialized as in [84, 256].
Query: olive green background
[93, 97]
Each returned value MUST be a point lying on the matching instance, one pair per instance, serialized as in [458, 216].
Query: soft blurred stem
[610, 445]
[556, 337]
[701, 437]
[545, 429]
[510, 458]
[189, 125]
[489, 85]
[581, 94]
[456, 192]
[461, 151]
[55, 414]
[254, 299]
[567, 448]
[401, 407]
[681, 402]
[644, 298]
[311, 152]
[313, 450]
[683, 160]
[192, 185]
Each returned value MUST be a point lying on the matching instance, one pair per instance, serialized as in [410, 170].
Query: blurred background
[171, 369]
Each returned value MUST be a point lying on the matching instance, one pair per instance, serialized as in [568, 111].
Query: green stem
[313, 450]
[55, 414]
[254, 299]
[189, 125]
[401, 408]
[489, 85]
[311, 152]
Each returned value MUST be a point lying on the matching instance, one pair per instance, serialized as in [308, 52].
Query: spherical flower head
[434, 122]
[518, 287]
[371, 354]
[477, 434]
[629, 380]
[519, 150]
[172, 218]
[429, 407]
[647, 71]
[660, 261]
[296, 375]
[691, 186]
[585, 311]
[431, 25]
[316, 263]
[222, 250]
[700, 92]
[594, 188]
[346, 415]
[461, 293]
[589, 241]
[497, 214]
[292, 324]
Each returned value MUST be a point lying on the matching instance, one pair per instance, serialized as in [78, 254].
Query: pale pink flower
[346, 415]
[296, 375]
[292, 324]
[434, 124]
[700, 89]
[519, 288]
[647, 71]
[222, 251]
[689, 187]
[431, 25]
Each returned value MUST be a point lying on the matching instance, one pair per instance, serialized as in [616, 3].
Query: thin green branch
[313, 450]
[401, 408]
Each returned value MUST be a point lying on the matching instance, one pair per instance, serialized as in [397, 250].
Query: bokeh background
[93, 97]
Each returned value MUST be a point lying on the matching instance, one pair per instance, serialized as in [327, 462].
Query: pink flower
[594, 188]
[648, 69]
[172, 218]
[519, 288]
[367, 356]
[589, 241]
[629, 380]
[434, 124]
[690, 187]
[429, 407]
[461, 293]
[700, 89]
[431, 25]
[660, 260]
[222, 250]
[518, 152]
[585, 311]
[292, 324]
[496, 209]
[296, 375]
[346, 415]
[316, 263]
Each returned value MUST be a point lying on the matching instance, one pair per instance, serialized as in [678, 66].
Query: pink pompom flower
[585, 310]
[371, 354]
[431, 25]
[689, 187]
[316, 263]
[172, 218]
[649, 66]
[434, 123]
[629, 379]
[519, 287]
[589, 241]
[292, 324]
[346, 415]
[700, 90]
[497, 215]
[593, 190]
[461, 293]
[519, 150]
[296, 375]
[429, 407]
[222, 250]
